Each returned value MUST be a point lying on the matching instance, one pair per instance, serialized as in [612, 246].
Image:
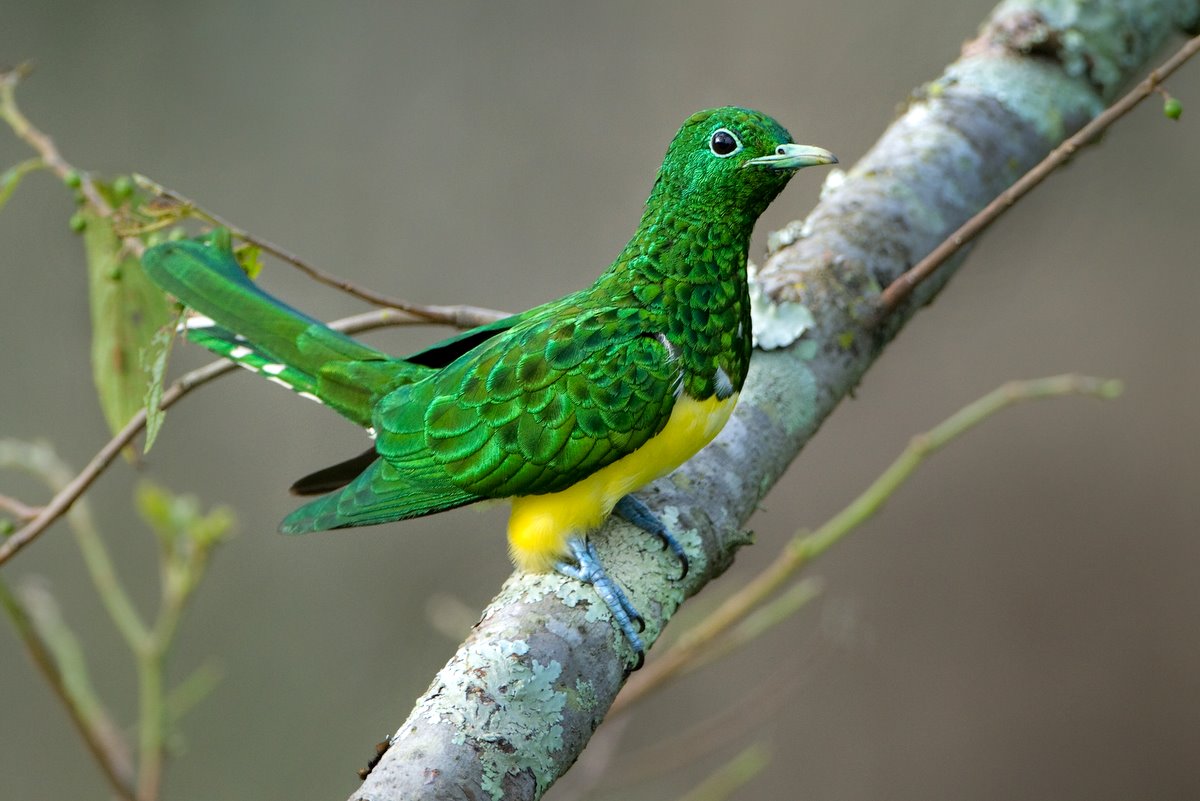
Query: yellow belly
[541, 524]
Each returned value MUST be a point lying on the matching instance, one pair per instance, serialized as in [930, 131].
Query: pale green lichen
[536, 586]
[585, 699]
[776, 325]
[571, 592]
[1096, 42]
[509, 707]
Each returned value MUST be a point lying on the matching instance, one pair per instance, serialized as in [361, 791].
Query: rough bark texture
[517, 703]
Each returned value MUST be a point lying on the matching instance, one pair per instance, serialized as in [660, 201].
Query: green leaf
[250, 257]
[178, 521]
[10, 179]
[154, 364]
[127, 313]
[154, 504]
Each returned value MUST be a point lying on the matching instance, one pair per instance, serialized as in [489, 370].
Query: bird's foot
[586, 567]
[634, 511]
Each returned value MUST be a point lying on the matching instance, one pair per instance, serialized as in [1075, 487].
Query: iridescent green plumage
[541, 402]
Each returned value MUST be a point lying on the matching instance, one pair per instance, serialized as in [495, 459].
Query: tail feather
[335, 476]
[264, 334]
[223, 342]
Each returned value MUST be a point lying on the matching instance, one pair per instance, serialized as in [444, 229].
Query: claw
[634, 511]
[587, 568]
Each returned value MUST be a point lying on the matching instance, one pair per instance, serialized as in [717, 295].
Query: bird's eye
[723, 143]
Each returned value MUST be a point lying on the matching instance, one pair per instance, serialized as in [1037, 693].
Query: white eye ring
[718, 141]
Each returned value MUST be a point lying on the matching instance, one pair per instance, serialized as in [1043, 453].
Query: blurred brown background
[1020, 622]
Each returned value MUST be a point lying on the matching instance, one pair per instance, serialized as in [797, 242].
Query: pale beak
[793, 157]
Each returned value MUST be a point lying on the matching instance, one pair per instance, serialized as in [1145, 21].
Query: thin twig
[399, 313]
[17, 509]
[40, 460]
[51, 643]
[903, 286]
[803, 548]
[62, 500]
[43, 144]
[99, 734]
[458, 315]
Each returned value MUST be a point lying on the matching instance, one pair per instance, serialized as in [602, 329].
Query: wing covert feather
[541, 407]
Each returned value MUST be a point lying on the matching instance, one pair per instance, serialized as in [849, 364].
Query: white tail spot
[273, 369]
[240, 352]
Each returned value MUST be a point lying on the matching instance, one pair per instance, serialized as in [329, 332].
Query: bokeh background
[1020, 622]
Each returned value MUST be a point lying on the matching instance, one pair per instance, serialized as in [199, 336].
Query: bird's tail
[245, 324]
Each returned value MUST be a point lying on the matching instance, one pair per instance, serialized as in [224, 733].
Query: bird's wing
[546, 404]
[542, 406]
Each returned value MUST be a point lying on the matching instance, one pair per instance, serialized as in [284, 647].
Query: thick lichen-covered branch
[1037, 73]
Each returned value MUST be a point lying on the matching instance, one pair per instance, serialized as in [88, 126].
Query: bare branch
[903, 286]
[460, 316]
[17, 509]
[62, 500]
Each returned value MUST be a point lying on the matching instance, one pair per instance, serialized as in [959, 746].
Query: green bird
[564, 409]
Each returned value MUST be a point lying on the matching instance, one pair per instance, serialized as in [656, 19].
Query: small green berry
[1172, 108]
[122, 187]
[78, 223]
[72, 179]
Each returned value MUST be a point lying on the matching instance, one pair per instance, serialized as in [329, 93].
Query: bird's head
[731, 160]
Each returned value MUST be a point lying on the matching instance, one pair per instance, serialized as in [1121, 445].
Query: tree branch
[516, 704]
[903, 286]
[461, 316]
[65, 497]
